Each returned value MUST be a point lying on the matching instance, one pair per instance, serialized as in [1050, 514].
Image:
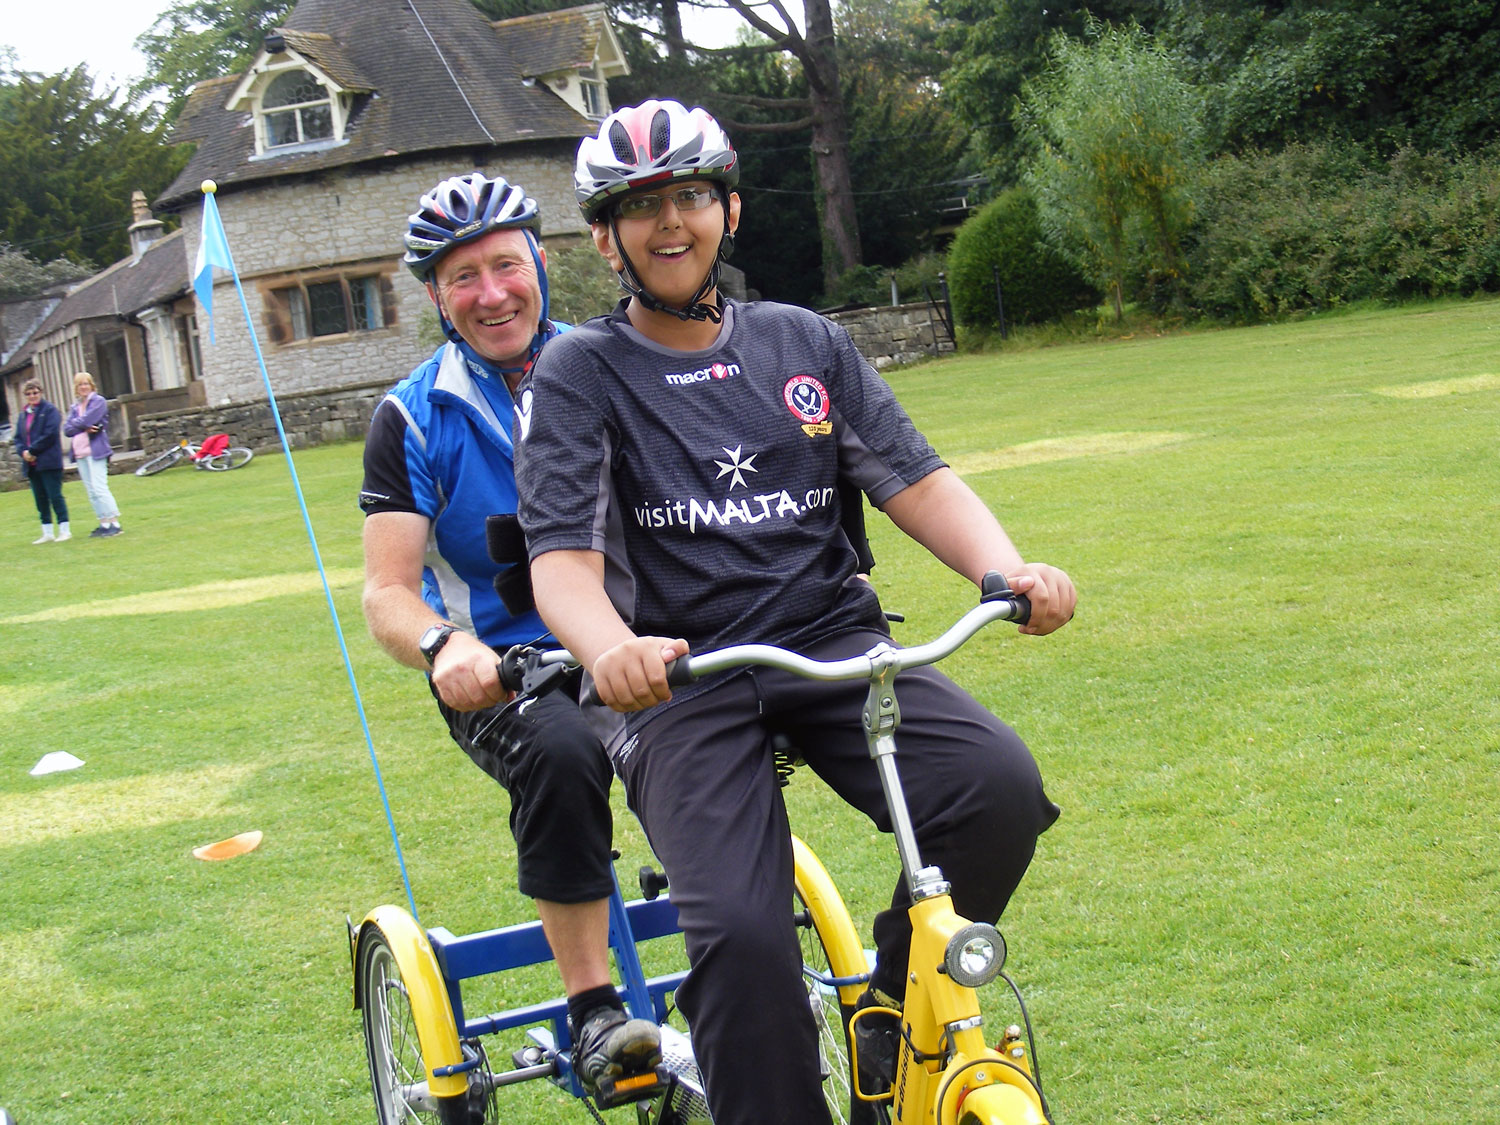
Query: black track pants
[558, 779]
[699, 775]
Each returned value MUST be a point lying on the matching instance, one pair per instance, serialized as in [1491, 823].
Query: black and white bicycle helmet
[461, 209]
[654, 143]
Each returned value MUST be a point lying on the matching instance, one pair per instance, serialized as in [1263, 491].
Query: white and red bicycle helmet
[654, 143]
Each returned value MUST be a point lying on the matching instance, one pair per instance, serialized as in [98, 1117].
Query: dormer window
[595, 103]
[296, 109]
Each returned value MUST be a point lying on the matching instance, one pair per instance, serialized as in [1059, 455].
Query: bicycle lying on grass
[215, 454]
[427, 1061]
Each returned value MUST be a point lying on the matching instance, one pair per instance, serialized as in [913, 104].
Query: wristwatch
[434, 639]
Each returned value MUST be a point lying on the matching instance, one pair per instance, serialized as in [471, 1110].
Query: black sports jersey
[710, 480]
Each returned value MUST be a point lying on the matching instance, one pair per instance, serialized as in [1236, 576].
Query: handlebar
[525, 669]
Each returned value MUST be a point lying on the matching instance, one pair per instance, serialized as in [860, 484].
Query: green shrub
[1036, 282]
[580, 283]
[1318, 226]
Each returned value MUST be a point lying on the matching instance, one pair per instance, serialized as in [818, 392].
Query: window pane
[281, 128]
[326, 304]
[297, 305]
[317, 122]
[295, 87]
[364, 296]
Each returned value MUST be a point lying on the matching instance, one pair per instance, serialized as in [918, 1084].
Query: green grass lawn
[1274, 729]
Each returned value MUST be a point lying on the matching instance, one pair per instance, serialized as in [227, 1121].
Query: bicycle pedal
[532, 1055]
[612, 1092]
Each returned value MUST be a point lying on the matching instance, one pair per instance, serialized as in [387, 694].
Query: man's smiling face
[490, 292]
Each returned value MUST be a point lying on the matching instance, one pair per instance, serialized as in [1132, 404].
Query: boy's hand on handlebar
[466, 676]
[632, 675]
[1052, 595]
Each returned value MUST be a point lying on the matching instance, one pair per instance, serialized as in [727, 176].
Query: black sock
[582, 1004]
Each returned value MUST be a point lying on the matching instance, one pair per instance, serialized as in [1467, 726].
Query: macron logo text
[702, 375]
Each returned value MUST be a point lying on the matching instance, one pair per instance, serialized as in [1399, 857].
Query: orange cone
[228, 849]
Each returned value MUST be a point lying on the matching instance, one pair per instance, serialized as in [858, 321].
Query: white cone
[55, 762]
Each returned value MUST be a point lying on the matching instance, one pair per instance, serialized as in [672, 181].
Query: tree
[21, 275]
[1401, 72]
[194, 40]
[820, 110]
[1117, 132]
[70, 157]
[995, 47]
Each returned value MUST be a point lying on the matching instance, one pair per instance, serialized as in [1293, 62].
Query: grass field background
[1274, 730]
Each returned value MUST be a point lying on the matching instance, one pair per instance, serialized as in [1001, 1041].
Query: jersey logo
[736, 466]
[807, 399]
[523, 413]
[717, 372]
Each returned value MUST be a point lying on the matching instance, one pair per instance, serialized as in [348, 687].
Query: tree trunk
[830, 146]
[671, 24]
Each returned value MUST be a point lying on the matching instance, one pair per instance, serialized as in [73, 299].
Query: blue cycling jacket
[440, 446]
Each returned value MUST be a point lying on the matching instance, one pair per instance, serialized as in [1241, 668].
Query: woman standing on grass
[88, 427]
[41, 456]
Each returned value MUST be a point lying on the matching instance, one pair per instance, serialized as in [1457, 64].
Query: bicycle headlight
[975, 955]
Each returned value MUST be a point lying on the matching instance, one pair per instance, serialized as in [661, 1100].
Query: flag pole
[213, 250]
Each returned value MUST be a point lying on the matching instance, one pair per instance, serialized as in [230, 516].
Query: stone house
[320, 150]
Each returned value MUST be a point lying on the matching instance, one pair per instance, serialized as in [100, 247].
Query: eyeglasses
[647, 206]
[37, 393]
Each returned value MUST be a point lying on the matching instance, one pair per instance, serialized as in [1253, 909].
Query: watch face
[433, 640]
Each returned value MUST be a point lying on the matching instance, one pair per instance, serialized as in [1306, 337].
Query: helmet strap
[696, 308]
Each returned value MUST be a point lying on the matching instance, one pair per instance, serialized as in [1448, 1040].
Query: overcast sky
[54, 36]
[50, 36]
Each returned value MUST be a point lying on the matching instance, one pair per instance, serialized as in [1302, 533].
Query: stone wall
[348, 217]
[887, 337]
[896, 334]
[309, 418]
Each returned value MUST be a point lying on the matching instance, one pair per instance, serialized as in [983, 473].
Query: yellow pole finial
[209, 187]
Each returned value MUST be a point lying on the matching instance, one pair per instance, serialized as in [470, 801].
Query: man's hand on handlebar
[632, 675]
[465, 674]
[1052, 595]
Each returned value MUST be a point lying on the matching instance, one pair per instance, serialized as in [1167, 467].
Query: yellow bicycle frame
[437, 1032]
[941, 1021]
[977, 1079]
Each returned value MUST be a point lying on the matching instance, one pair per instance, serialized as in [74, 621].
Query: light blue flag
[213, 250]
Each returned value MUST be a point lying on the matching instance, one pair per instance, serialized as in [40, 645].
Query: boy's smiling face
[673, 250]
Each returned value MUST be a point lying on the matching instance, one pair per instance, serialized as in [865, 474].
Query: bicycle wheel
[408, 1025]
[233, 458]
[831, 951]
[159, 462]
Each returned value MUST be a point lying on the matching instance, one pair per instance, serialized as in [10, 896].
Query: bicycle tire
[235, 457]
[402, 1007]
[159, 462]
[830, 947]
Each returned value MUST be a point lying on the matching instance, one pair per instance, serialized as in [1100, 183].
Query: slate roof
[558, 41]
[408, 59]
[129, 286]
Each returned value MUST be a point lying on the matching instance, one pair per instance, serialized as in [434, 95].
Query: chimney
[144, 230]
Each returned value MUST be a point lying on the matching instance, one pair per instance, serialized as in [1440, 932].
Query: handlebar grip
[512, 667]
[679, 672]
[994, 587]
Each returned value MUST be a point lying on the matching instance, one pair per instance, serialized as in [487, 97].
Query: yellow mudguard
[997, 1104]
[846, 956]
[437, 1033]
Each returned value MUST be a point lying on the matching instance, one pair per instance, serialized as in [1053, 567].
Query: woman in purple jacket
[87, 426]
[41, 457]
